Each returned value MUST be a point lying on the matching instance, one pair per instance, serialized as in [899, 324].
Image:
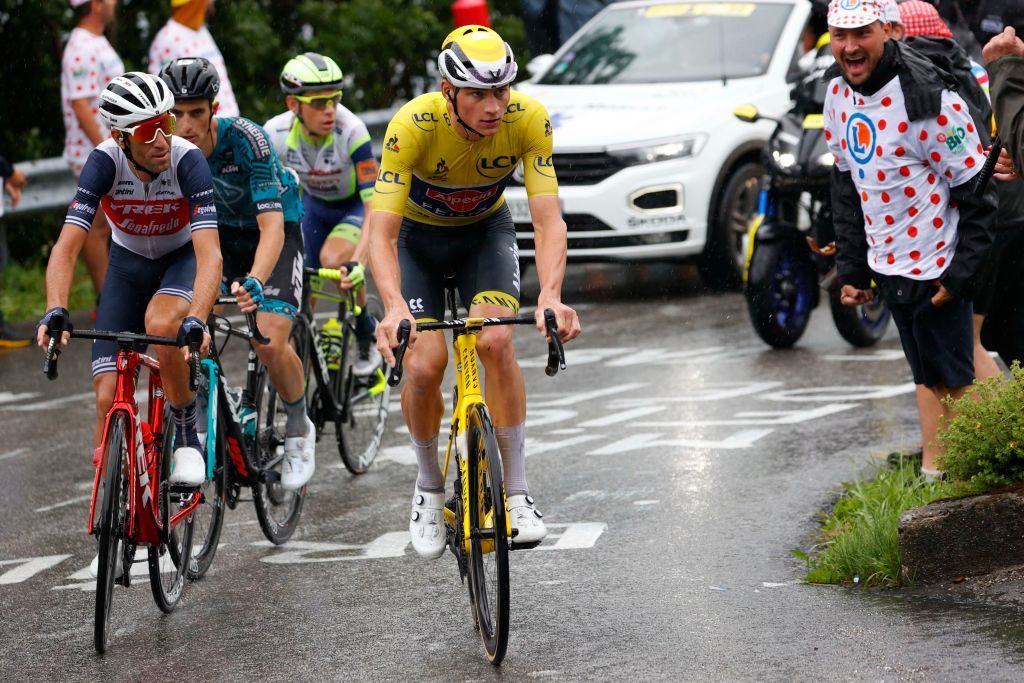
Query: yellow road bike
[479, 529]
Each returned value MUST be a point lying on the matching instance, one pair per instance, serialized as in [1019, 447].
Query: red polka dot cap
[922, 19]
[854, 13]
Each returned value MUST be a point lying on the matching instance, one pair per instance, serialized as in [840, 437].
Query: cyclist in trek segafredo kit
[258, 211]
[328, 147]
[156, 191]
[438, 209]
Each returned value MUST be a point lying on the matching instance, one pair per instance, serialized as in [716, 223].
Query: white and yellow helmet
[475, 56]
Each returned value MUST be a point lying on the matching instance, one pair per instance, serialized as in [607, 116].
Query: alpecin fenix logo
[860, 138]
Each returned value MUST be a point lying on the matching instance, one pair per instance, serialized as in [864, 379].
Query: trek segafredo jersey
[149, 219]
[331, 169]
[431, 174]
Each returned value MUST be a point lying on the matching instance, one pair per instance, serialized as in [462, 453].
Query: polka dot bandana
[854, 13]
[922, 19]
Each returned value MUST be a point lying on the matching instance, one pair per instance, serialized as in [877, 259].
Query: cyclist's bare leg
[105, 385]
[95, 251]
[423, 405]
[279, 357]
[163, 318]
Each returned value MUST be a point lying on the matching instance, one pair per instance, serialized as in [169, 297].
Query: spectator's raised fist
[1004, 45]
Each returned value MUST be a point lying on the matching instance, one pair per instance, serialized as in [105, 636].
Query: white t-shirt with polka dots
[903, 172]
[176, 40]
[88, 65]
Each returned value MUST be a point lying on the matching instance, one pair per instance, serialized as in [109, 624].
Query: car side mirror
[746, 112]
[539, 64]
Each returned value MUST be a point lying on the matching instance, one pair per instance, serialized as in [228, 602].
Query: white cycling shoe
[94, 566]
[426, 524]
[189, 468]
[527, 519]
[364, 366]
[299, 458]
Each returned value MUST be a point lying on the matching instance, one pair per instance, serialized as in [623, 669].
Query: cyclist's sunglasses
[147, 131]
[320, 102]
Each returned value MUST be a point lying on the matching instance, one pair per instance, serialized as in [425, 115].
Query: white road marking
[27, 567]
[64, 503]
[759, 417]
[299, 552]
[13, 454]
[842, 393]
[650, 440]
[574, 398]
[52, 403]
[711, 392]
[646, 502]
[575, 536]
[626, 416]
[569, 430]
[9, 397]
[876, 356]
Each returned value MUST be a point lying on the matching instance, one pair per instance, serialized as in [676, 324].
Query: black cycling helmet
[191, 78]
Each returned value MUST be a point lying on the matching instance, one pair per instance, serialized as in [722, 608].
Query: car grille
[583, 222]
[583, 168]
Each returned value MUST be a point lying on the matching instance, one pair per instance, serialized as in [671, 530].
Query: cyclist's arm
[383, 229]
[197, 185]
[366, 170]
[551, 246]
[268, 251]
[87, 120]
[261, 167]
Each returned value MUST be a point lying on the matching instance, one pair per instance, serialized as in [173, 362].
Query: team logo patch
[860, 136]
[366, 171]
[392, 144]
[953, 139]
[849, 4]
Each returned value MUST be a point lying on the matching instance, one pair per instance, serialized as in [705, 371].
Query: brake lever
[55, 328]
[404, 330]
[254, 330]
[556, 351]
[195, 343]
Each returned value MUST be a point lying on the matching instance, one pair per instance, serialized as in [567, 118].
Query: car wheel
[721, 264]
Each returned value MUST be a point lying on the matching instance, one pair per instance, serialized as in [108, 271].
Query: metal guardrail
[51, 185]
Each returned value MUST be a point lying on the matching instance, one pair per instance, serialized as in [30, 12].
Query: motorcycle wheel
[861, 325]
[781, 292]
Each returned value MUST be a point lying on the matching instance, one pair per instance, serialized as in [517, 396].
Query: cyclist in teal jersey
[258, 218]
[329, 149]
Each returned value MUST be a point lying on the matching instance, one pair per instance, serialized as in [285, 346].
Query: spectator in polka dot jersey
[88, 64]
[907, 154]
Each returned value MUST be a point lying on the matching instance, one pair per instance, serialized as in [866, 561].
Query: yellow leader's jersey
[430, 174]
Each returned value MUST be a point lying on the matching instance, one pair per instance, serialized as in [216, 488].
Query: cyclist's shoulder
[245, 134]
[280, 124]
[427, 107]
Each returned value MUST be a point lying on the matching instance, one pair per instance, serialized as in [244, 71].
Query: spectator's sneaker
[426, 524]
[188, 467]
[94, 566]
[299, 458]
[527, 519]
[11, 340]
[367, 361]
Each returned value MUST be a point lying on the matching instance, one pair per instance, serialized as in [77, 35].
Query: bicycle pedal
[524, 546]
[182, 489]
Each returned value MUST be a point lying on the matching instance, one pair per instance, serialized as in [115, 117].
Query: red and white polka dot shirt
[903, 172]
[175, 40]
[88, 65]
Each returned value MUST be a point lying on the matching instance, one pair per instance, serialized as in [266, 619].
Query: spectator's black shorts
[282, 292]
[938, 342]
[483, 257]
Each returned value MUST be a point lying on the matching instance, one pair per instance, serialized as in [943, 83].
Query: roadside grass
[859, 541]
[23, 291]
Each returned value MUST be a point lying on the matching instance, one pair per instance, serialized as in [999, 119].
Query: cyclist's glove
[187, 325]
[45, 320]
[255, 289]
[356, 273]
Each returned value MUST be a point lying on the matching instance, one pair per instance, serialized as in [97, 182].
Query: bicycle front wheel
[278, 510]
[363, 401]
[208, 518]
[111, 502]
[169, 561]
[488, 536]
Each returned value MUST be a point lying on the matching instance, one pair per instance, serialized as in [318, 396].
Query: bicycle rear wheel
[111, 501]
[488, 545]
[169, 562]
[277, 509]
[208, 518]
[364, 402]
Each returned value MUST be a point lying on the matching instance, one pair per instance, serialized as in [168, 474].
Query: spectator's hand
[942, 295]
[1005, 170]
[1004, 45]
[14, 184]
[851, 296]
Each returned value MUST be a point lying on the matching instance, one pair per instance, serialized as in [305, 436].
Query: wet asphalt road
[677, 460]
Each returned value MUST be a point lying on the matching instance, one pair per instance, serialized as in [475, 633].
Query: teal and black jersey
[248, 178]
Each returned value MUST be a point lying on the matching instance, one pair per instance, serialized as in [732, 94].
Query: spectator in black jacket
[907, 153]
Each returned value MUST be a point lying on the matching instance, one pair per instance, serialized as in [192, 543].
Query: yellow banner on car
[701, 9]
[814, 122]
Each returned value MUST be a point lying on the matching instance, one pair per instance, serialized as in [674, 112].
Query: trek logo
[860, 136]
[953, 139]
[140, 465]
[462, 201]
[496, 167]
[425, 121]
[416, 305]
[545, 166]
[392, 144]
[144, 209]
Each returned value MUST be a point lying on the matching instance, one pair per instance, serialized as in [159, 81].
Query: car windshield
[673, 43]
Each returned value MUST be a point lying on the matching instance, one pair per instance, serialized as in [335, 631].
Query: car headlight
[658, 150]
[784, 160]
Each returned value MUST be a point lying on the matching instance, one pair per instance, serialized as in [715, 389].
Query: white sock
[511, 443]
[429, 477]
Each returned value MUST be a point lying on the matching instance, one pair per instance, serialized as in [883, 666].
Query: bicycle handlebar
[122, 339]
[556, 350]
[250, 320]
[55, 328]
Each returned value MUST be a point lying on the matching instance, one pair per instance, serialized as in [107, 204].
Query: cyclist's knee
[424, 366]
[336, 251]
[494, 346]
[104, 384]
[164, 321]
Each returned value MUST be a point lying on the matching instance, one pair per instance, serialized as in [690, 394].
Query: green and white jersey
[331, 169]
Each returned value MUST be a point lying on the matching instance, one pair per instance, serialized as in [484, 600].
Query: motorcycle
[790, 244]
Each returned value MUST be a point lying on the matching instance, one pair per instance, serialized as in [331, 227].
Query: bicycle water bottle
[330, 343]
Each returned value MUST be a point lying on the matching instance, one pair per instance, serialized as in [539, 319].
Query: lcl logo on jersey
[497, 167]
[860, 137]
[545, 166]
[513, 112]
[425, 121]
[389, 178]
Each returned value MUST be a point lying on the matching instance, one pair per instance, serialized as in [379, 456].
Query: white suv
[650, 161]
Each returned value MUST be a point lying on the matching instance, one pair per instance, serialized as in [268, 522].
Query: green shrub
[985, 441]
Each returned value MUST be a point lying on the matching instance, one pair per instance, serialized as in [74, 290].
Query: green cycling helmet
[310, 72]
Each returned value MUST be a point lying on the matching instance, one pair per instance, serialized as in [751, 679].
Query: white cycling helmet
[132, 98]
[476, 57]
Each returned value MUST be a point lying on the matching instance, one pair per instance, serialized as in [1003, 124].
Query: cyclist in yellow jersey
[438, 210]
